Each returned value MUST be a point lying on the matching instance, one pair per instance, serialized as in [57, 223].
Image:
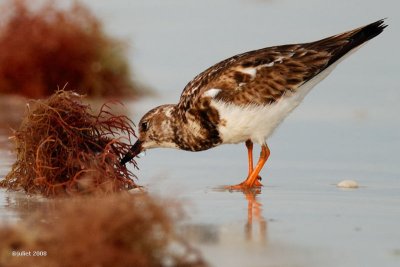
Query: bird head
[157, 128]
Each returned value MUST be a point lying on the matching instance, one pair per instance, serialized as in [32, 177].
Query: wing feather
[264, 76]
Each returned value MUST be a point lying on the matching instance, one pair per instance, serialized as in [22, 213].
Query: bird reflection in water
[255, 227]
[255, 218]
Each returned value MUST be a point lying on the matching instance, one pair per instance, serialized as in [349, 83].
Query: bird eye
[144, 126]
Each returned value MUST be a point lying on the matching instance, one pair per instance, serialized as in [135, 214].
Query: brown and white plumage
[245, 97]
[277, 69]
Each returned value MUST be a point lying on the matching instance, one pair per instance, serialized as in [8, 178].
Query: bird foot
[244, 186]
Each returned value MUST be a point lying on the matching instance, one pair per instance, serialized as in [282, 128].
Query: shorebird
[245, 97]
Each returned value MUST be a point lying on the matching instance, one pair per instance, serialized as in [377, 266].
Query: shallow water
[299, 218]
[347, 128]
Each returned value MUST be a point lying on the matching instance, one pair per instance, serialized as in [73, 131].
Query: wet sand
[347, 128]
[299, 217]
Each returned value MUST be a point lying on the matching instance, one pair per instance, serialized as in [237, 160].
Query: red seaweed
[45, 46]
[117, 230]
[62, 148]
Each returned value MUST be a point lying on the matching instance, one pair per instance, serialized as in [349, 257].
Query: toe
[244, 186]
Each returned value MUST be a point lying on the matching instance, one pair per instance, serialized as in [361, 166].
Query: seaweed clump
[116, 230]
[45, 45]
[62, 148]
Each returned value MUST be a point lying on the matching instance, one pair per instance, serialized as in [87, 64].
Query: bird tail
[340, 44]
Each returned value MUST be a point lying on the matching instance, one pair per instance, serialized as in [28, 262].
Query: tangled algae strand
[62, 148]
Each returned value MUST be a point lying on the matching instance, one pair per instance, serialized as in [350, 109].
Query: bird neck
[193, 130]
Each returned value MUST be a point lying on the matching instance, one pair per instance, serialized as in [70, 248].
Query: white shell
[347, 184]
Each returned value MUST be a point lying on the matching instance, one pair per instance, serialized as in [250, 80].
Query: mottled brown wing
[267, 75]
[263, 76]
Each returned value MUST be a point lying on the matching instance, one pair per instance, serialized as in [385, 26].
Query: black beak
[133, 152]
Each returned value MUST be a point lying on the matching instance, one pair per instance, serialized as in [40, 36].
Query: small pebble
[347, 184]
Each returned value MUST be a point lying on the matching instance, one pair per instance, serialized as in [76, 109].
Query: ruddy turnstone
[245, 97]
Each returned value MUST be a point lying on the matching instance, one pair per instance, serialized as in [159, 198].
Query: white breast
[253, 122]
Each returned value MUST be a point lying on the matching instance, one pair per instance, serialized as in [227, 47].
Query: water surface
[347, 128]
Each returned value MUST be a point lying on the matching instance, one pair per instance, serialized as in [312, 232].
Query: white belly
[253, 122]
[258, 122]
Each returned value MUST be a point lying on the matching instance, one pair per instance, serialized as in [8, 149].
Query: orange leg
[249, 146]
[253, 179]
